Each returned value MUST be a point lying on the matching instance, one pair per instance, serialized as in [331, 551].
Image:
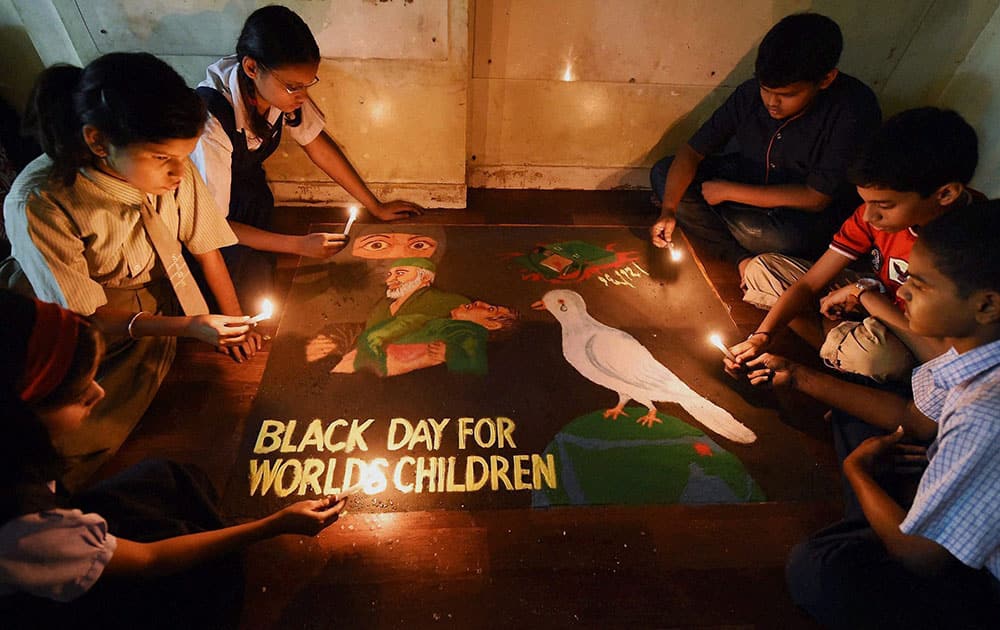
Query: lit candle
[268, 310]
[675, 254]
[716, 341]
[356, 488]
[350, 221]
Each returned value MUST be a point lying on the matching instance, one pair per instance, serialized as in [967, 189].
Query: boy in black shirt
[797, 124]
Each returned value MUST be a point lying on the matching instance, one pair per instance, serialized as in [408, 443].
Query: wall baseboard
[329, 193]
[557, 177]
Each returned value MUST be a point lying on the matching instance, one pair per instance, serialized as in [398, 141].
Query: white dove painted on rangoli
[614, 359]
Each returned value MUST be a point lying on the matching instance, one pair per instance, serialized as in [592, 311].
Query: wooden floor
[653, 566]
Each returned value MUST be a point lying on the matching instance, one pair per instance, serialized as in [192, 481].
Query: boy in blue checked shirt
[937, 563]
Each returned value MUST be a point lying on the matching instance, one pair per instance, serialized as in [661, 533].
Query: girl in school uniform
[145, 549]
[254, 97]
[97, 223]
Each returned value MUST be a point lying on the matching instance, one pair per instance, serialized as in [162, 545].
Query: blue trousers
[845, 578]
[734, 231]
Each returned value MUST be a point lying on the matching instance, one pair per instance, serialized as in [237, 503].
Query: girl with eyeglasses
[254, 96]
[100, 223]
[147, 548]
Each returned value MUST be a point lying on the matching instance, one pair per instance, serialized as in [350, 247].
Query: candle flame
[568, 72]
[716, 340]
[266, 309]
[675, 254]
[354, 212]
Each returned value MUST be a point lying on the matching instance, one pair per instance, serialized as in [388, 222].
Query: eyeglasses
[291, 89]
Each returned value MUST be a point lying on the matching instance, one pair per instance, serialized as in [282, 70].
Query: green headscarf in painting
[423, 263]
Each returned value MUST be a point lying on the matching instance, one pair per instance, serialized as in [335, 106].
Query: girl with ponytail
[253, 97]
[144, 549]
[98, 223]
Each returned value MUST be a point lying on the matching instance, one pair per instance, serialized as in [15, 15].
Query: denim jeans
[734, 231]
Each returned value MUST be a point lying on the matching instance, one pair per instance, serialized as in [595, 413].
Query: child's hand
[662, 232]
[397, 209]
[320, 244]
[244, 351]
[770, 369]
[839, 303]
[220, 331]
[744, 351]
[874, 455]
[308, 518]
[715, 192]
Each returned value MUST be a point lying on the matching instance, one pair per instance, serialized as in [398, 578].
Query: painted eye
[421, 245]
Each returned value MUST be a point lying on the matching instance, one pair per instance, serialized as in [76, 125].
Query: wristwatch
[866, 284]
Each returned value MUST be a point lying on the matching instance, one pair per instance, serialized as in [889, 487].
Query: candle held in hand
[350, 220]
[716, 340]
[265, 313]
[675, 254]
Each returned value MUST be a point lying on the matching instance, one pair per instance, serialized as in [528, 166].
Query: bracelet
[131, 322]
[760, 332]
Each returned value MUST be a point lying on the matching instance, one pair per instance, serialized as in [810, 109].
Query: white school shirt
[72, 242]
[214, 154]
[57, 554]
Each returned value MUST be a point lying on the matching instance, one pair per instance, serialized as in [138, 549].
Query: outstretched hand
[321, 244]
[308, 518]
[662, 232]
[396, 209]
[770, 369]
[838, 303]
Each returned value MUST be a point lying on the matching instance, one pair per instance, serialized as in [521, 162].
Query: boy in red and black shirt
[915, 169]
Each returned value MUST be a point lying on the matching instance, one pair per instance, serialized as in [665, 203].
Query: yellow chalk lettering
[438, 430]
[488, 423]
[280, 488]
[520, 471]
[505, 432]
[311, 471]
[543, 468]
[356, 438]
[328, 487]
[426, 470]
[393, 443]
[332, 446]
[313, 436]
[422, 433]
[262, 475]
[397, 475]
[269, 437]
[498, 472]
[451, 485]
[286, 441]
[353, 463]
[442, 473]
[464, 431]
[471, 482]
[376, 475]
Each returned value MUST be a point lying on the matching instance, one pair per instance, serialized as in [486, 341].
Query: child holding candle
[97, 225]
[254, 96]
[933, 562]
[916, 167]
[147, 548]
[796, 124]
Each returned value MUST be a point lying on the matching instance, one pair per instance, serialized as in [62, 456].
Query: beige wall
[427, 96]
[588, 94]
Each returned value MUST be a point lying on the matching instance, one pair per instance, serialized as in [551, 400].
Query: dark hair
[130, 97]
[801, 47]
[26, 453]
[964, 243]
[918, 150]
[274, 36]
